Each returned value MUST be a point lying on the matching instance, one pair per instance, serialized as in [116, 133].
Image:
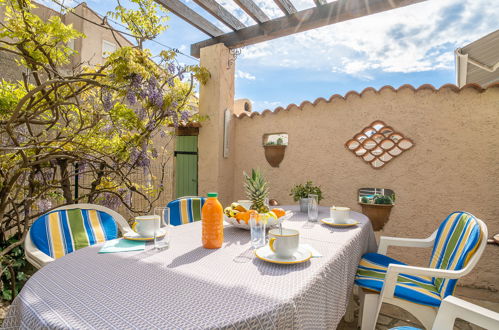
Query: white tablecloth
[189, 287]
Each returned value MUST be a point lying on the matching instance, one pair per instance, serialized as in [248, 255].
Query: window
[107, 48]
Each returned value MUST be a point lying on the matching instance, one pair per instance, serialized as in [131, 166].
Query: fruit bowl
[271, 221]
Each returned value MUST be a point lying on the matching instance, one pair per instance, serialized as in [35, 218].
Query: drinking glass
[313, 207]
[257, 231]
[162, 232]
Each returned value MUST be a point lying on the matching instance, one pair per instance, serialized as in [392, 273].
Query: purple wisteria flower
[130, 97]
[154, 92]
[43, 204]
[111, 201]
[181, 72]
[162, 134]
[107, 101]
[185, 115]
[171, 67]
[139, 158]
[154, 153]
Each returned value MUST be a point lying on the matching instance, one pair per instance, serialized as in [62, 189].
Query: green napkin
[122, 245]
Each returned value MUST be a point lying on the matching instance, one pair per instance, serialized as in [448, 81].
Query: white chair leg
[350, 312]
[369, 307]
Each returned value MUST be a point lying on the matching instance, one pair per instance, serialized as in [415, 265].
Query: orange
[279, 212]
[244, 216]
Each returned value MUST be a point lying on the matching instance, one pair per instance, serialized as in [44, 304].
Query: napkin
[122, 245]
[315, 253]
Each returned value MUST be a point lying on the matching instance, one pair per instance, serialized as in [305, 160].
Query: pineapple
[256, 190]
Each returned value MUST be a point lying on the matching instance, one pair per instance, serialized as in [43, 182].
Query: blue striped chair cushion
[458, 238]
[371, 274]
[405, 328]
[61, 232]
[185, 210]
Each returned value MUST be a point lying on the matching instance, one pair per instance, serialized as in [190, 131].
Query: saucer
[133, 236]
[330, 222]
[302, 254]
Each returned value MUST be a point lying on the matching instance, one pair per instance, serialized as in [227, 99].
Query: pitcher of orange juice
[212, 222]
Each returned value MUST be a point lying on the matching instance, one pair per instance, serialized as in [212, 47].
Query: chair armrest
[452, 308]
[35, 257]
[386, 241]
[394, 270]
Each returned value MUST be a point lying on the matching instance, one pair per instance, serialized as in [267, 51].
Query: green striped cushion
[61, 232]
[457, 240]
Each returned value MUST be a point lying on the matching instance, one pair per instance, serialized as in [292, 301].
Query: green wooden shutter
[186, 166]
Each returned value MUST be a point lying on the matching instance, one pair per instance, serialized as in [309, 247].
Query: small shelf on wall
[274, 145]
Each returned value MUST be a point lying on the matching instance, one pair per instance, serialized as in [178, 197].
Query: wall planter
[274, 154]
[379, 214]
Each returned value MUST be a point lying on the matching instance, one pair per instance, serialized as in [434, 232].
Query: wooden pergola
[292, 21]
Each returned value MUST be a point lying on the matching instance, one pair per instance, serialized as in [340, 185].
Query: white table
[189, 287]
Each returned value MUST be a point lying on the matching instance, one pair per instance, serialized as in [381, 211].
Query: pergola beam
[312, 18]
[252, 10]
[320, 2]
[222, 14]
[286, 6]
[191, 17]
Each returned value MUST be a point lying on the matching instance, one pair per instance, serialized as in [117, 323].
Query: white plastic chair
[371, 301]
[453, 308]
[39, 259]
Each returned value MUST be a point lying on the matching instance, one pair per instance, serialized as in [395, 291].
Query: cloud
[263, 105]
[244, 75]
[416, 38]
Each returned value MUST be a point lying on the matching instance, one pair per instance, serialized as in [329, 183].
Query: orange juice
[212, 218]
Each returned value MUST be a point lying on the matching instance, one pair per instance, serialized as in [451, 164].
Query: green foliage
[303, 190]
[63, 116]
[143, 21]
[364, 200]
[13, 264]
[383, 199]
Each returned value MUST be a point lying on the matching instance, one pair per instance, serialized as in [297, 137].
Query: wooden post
[216, 173]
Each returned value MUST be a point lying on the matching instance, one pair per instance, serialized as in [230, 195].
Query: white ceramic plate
[330, 222]
[301, 255]
[271, 222]
[133, 236]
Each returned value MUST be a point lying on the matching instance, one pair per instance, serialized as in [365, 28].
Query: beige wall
[454, 164]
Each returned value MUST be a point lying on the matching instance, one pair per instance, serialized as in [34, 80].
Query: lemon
[265, 217]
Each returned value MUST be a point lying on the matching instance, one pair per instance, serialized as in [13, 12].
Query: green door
[186, 166]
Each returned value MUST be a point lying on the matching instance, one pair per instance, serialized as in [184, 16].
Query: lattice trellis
[378, 144]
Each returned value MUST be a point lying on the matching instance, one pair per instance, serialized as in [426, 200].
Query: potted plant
[300, 193]
[377, 209]
[274, 151]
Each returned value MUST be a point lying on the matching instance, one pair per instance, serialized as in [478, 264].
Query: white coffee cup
[146, 225]
[284, 244]
[340, 214]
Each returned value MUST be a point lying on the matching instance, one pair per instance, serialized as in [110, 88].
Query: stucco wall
[454, 164]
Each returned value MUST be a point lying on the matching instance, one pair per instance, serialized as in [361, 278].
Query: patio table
[189, 287]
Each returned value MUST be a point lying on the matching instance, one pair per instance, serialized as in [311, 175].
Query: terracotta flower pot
[379, 214]
[274, 154]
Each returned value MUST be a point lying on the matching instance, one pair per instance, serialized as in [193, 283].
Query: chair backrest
[185, 209]
[65, 230]
[457, 241]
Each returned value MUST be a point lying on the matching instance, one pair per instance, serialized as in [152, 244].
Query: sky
[411, 45]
